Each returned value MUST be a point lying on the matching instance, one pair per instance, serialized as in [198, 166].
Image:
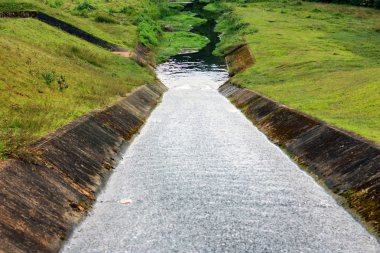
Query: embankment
[238, 59]
[47, 192]
[347, 164]
[142, 55]
[43, 17]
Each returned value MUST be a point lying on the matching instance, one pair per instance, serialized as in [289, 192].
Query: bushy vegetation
[182, 21]
[83, 8]
[105, 19]
[369, 3]
[180, 39]
[149, 31]
[176, 42]
[121, 22]
[323, 59]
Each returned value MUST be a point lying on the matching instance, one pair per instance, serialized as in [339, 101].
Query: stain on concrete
[239, 59]
[47, 192]
[348, 164]
[144, 56]
[201, 178]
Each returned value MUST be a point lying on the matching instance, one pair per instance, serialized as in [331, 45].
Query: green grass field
[174, 42]
[113, 21]
[322, 59]
[180, 38]
[48, 78]
[183, 21]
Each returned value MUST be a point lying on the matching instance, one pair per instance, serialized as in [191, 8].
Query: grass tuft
[105, 19]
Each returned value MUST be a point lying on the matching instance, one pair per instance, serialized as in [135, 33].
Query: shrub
[147, 35]
[85, 6]
[49, 77]
[54, 3]
[105, 19]
[62, 83]
[129, 10]
[8, 6]
[368, 3]
[148, 31]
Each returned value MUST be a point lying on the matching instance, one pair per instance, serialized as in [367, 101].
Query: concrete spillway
[201, 178]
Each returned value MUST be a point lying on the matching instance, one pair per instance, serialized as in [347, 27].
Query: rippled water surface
[201, 178]
[178, 73]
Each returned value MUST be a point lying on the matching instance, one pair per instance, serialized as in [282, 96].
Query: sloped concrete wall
[47, 192]
[348, 164]
[144, 56]
[239, 59]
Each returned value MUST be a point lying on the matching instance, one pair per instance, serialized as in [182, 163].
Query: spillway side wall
[47, 191]
[347, 164]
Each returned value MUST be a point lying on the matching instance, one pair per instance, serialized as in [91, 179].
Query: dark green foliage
[148, 30]
[127, 10]
[83, 9]
[105, 19]
[62, 84]
[49, 77]
[368, 3]
[85, 6]
[11, 6]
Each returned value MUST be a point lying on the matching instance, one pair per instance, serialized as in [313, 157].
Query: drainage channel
[201, 178]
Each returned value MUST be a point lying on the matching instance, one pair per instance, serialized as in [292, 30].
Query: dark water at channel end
[200, 70]
[204, 58]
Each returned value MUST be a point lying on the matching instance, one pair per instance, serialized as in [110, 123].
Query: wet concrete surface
[201, 178]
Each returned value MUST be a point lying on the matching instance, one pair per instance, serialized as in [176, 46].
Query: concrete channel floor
[201, 178]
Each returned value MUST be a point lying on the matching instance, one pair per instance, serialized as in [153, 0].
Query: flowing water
[201, 178]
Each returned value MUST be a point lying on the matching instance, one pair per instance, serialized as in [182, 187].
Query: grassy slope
[319, 58]
[119, 27]
[174, 42]
[181, 38]
[29, 107]
[183, 21]
[32, 52]
[121, 20]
